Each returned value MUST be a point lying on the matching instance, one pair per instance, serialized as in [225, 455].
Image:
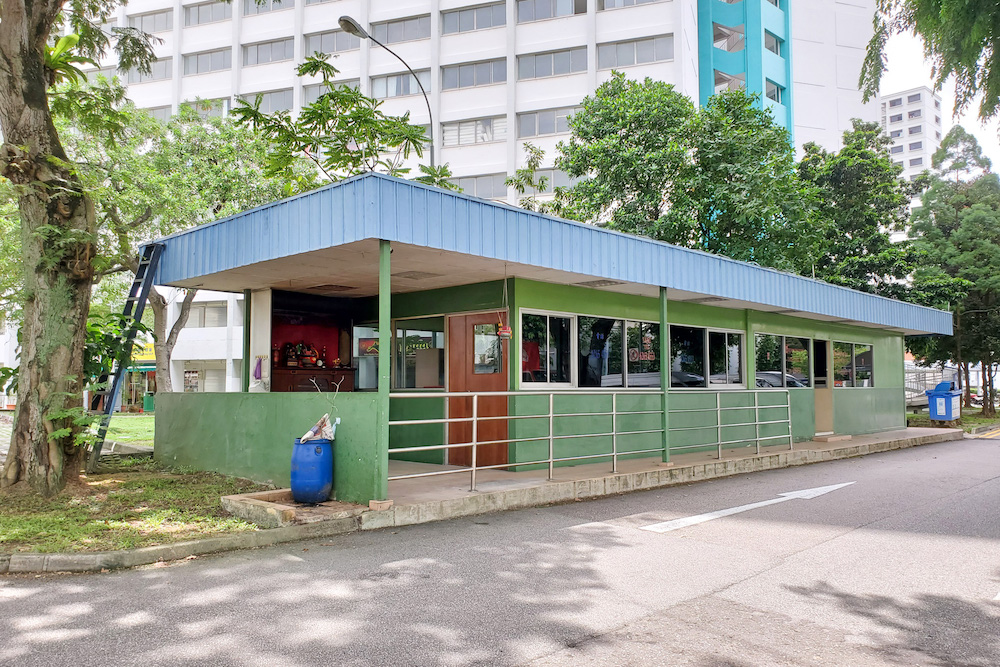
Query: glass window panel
[563, 7]
[487, 349]
[687, 357]
[526, 67]
[664, 47]
[394, 32]
[606, 56]
[451, 22]
[263, 53]
[379, 87]
[718, 361]
[449, 78]
[561, 62]
[499, 14]
[483, 16]
[218, 60]
[525, 10]
[562, 120]
[466, 76]
[499, 70]
[450, 134]
[734, 355]
[600, 349]
[769, 356]
[643, 354]
[625, 54]
[484, 74]
[864, 366]
[543, 65]
[644, 51]
[424, 27]
[560, 343]
[419, 355]
[534, 348]
[546, 122]
[579, 57]
[543, 9]
[204, 62]
[843, 365]
[379, 31]
[797, 364]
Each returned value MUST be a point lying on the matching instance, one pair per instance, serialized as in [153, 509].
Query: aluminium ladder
[135, 304]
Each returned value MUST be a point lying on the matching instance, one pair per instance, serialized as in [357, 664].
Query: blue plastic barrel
[312, 470]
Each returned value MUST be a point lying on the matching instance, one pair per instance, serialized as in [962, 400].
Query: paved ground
[900, 568]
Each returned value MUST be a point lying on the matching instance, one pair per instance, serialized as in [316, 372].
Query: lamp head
[352, 27]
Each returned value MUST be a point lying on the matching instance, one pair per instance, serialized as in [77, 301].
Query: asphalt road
[900, 568]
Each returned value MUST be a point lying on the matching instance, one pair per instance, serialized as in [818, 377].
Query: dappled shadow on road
[927, 629]
[333, 602]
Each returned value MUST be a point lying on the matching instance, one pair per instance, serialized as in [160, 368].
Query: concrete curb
[984, 429]
[550, 493]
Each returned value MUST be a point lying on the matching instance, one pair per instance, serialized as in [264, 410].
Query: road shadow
[335, 602]
[926, 630]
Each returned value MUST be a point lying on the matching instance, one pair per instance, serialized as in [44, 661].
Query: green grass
[969, 420]
[133, 429]
[140, 505]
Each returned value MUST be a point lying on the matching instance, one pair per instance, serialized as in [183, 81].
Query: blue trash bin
[944, 402]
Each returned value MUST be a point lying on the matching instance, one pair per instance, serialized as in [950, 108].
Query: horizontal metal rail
[551, 437]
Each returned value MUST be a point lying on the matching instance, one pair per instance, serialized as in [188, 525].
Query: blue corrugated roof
[375, 206]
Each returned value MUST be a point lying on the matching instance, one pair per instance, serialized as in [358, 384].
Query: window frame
[706, 360]
[634, 43]
[473, 9]
[211, 3]
[533, 56]
[574, 12]
[784, 365]
[477, 121]
[492, 62]
[854, 365]
[374, 28]
[414, 75]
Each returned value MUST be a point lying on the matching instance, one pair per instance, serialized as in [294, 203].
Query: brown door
[477, 361]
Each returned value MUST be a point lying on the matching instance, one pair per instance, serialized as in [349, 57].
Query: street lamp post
[352, 27]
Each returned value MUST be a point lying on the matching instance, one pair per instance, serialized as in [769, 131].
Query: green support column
[665, 372]
[246, 340]
[751, 352]
[381, 459]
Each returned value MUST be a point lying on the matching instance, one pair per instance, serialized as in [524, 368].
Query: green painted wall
[417, 435]
[251, 435]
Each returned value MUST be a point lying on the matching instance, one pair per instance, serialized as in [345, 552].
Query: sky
[907, 69]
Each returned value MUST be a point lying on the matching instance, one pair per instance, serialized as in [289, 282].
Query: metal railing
[475, 419]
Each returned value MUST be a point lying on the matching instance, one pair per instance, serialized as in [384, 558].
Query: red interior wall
[316, 334]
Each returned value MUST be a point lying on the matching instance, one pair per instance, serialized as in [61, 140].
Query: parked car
[767, 379]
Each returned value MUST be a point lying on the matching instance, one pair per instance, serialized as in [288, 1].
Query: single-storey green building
[465, 334]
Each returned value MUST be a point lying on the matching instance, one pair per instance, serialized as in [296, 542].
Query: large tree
[956, 232]
[57, 229]
[960, 38]
[862, 200]
[720, 178]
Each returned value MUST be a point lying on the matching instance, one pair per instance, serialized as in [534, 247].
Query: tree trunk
[989, 407]
[57, 230]
[964, 369]
[164, 342]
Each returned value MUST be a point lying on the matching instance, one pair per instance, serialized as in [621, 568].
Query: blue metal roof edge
[664, 264]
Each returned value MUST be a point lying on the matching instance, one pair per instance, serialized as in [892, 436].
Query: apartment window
[108, 26]
[895, 150]
[161, 114]
[615, 4]
[207, 315]
[782, 361]
[729, 39]
[913, 114]
[209, 12]
[896, 118]
[916, 162]
[898, 163]
[216, 108]
[474, 74]
[554, 178]
[547, 121]
[694, 349]
[107, 72]
[915, 97]
[153, 22]
[252, 8]
[399, 85]
[159, 70]
[898, 102]
[773, 91]
[938, 135]
[536, 10]
[916, 145]
[271, 101]
[772, 43]
[853, 365]
[539, 65]
[208, 61]
[310, 94]
[479, 131]
[475, 18]
[623, 54]
[490, 186]
[896, 133]
[916, 129]
[601, 355]
[937, 104]
[937, 120]
[333, 41]
[268, 52]
[402, 30]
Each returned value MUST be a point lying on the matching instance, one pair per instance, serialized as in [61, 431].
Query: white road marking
[805, 494]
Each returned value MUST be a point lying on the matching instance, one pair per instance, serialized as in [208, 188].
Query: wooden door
[477, 361]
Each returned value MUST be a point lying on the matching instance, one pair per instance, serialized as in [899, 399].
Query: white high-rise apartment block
[501, 73]
[912, 119]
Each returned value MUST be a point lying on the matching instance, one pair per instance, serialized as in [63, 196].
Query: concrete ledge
[546, 493]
